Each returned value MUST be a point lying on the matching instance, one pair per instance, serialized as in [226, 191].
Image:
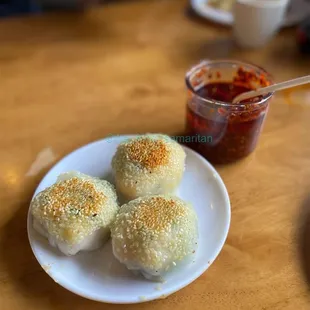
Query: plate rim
[193, 278]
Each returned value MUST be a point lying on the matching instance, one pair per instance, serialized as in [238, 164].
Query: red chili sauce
[231, 134]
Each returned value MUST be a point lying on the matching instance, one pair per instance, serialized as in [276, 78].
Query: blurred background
[17, 7]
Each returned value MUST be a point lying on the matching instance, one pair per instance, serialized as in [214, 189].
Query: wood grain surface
[69, 79]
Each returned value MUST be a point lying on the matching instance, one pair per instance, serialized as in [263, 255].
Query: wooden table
[69, 79]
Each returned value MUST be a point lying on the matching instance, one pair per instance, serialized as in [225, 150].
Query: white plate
[97, 275]
[298, 10]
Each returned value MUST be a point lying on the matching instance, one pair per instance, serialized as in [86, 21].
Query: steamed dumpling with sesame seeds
[150, 164]
[153, 234]
[75, 214]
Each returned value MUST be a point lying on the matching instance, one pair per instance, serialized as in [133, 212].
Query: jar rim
[230, 62]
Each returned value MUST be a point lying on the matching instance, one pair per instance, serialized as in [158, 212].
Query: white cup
[257, 21]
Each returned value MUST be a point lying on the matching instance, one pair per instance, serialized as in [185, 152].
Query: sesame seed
[157, 230]
[67, 208]
[158, 213]
[73, 196]
[148, 152]
[148, 164]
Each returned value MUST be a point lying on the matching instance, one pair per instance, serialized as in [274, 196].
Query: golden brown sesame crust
[153, 233]
[158, 213]
[148, 152]
[73, 196]
[74, 208]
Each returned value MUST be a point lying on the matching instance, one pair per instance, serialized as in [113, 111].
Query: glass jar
[216, 128]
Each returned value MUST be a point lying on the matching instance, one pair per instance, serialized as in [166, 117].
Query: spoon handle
[273, 88]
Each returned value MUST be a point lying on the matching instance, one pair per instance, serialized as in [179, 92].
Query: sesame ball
[153, 234]
[150, 164]
[75, 213]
